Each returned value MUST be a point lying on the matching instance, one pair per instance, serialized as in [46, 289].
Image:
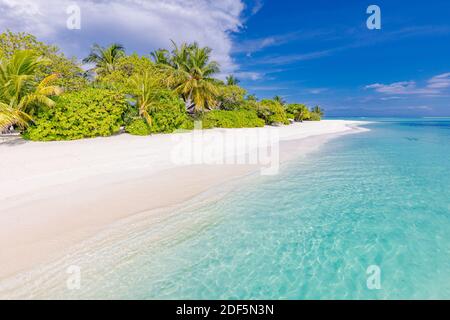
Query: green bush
[167, 113]
[231, 119]
[231, 97]
[82, 114]
[168, 120]
[272, 112]
[298, 112]
[313, 116]
[138, 127]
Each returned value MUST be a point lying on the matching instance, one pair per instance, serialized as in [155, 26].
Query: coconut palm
[232, 80]
[189, 72]
[318, 110]
[105, 59]
[160, 56]
[280, 100]
[20, 93]
[146, 93]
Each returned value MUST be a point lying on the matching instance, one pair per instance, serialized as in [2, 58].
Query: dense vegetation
[231, 119]
[47, 96]
[84, 114]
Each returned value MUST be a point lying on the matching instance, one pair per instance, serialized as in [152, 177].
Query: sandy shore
[54, 195]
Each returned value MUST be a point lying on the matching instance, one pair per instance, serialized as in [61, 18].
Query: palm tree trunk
[190, 106]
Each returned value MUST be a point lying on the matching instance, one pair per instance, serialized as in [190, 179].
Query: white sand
[54, 195]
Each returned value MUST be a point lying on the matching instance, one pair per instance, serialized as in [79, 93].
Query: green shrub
[82, 114]
[272, 112]
[231, 97]
[313, 116]
[231, 119]
[298, 112]
[188, 124]
[167, 114]
[138, 127]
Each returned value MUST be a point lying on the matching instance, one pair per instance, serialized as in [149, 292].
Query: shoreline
[45, 212]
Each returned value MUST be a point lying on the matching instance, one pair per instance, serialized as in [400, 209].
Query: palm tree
[280, 100]
[146, 91]
[105, 59]
[318, 110]
[160, 56]
[189, 72]
[232, 80]
[20, 93]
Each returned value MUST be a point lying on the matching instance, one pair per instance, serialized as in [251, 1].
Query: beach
[54, 195]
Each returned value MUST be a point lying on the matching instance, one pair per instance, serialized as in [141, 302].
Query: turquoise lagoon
[379, 198]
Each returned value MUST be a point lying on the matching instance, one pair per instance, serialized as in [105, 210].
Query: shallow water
[376, 198]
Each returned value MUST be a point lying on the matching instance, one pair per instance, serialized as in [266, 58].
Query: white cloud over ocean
[434, 87]
[140, 25]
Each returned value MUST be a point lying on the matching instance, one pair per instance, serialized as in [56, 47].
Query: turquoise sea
[379, 198]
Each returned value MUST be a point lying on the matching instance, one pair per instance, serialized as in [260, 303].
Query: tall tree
[146, 91]
[20, 93]
[190, 73]
[105, 59]
[160, 56]
[232, 80]
[71, 75]
[318, 110]
[280, 100]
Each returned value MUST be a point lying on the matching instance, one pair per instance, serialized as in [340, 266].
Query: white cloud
[317, 90]
[141, 25]
[257, 6]
[249, 75]
[441, 81]
[434, 87]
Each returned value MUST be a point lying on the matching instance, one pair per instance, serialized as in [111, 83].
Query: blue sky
[314, 52]
[322, 52]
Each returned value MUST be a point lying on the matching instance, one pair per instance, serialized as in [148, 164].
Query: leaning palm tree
[189, 72]
[105, 59]
[232, 80]
[20, 93]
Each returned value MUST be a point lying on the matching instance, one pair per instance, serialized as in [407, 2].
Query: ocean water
[377, 201]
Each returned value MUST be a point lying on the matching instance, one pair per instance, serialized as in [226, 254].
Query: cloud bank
[435, 86]
[140, 25]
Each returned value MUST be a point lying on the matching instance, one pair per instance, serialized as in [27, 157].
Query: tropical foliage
[105, 59]
[298, 112]
[231, 119]
[71, 77]
[317, 110]
[138, 127]
[272, 112]
[50, 97]
[89, 113]
[189, 72]
[231, 97]
[232, 80]
[20, 93]
[280, 100]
